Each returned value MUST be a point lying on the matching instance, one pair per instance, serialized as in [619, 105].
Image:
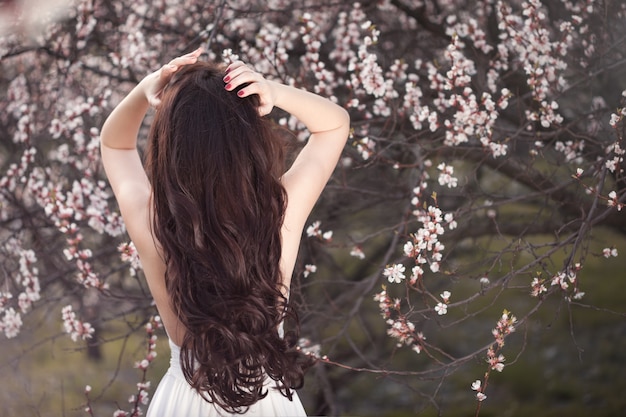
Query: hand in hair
[239, 74]
[153, 84]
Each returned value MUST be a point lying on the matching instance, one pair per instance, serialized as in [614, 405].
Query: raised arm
[121, 127]
[328, 123]
[118, 146]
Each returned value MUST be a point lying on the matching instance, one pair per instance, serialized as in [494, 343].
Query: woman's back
[218, 224]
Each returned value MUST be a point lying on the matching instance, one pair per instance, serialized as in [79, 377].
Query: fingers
[234, 66]
[249, 90]
[154, 83]
[187, 59]
[240, 75]
[175, 64]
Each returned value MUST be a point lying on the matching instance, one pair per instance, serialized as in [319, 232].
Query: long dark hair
[215, 167]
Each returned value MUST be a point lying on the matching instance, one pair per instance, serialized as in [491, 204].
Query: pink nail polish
[228, 86]
[227, 78]
[240, 93]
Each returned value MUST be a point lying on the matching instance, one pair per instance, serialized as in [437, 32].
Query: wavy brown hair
[215, 167]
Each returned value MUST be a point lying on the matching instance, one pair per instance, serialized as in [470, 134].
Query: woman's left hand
[153, 84]
[239, 73]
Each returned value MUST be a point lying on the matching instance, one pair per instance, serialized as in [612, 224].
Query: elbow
[345, 122]
[345, 117]
[342, 119]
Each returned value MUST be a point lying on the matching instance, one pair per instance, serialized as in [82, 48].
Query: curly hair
[214, 166]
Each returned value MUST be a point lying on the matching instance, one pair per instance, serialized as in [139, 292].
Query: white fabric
[174, 397]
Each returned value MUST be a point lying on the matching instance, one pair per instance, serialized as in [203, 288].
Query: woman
[217, 224]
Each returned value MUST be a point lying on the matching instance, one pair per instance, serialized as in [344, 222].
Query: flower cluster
[309, 348]
[424, 246]
[400, 328]
[571, 149]
[309, 269]
[616, 118]
[74, 327]
[129, 254]
[394, 273]
[364, 68]
[504, 327]
[613, 201]
[445, 177]
[540, 57]
[141, 398]
[26, 280]
[567, 281]
[608, 252]
[365, 147]
[313, 36]
[442, 307]
[357, 252]
[11, 320]
[315, 231]
[537, 287]
[477, 386]
[495, 360]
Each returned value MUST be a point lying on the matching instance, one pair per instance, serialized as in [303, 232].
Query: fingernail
[240, 93]
[227, 78]
[228, 86]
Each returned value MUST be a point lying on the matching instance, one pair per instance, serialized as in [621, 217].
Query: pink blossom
[365, 147]
[496, 362]
[608, 252]
[476, 385]
[445, 177]
[74, 327]
[357, 252]
[11, 323]
[143, 364]
[409, 249]
[416, 273]
[129, 254]
[309, 348]
[537, 287]
[314, 231]
[441, 308]
[309, 269]
[613, 201]
[615, 119]
[394, 273]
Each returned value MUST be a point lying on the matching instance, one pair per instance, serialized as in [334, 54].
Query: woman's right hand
[153, 84]
[239, 73]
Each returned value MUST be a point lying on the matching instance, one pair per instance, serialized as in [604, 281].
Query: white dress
[174, 397]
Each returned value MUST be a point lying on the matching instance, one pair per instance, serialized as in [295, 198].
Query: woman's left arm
[118, 148]
[118, 144]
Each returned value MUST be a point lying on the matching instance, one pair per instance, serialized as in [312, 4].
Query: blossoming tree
[485, 164]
